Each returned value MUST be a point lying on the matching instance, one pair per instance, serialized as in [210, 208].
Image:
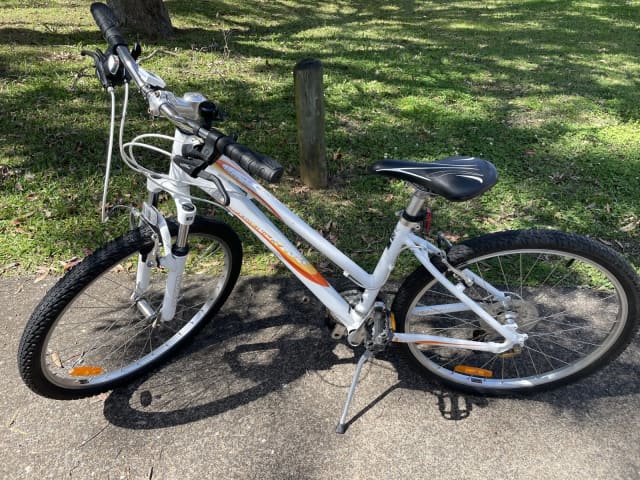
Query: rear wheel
[89, 334]
[576, 299]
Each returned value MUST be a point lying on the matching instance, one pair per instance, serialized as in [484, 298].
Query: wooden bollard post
[309, 96]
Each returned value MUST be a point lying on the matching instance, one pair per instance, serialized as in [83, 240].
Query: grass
[544, 89]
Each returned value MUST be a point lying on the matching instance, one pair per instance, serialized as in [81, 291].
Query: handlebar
[253, 162]
[108, 24]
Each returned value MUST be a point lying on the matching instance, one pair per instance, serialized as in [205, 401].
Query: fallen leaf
[99, 398]
[9, 266]
[69, 264]
[630, 226]
[55, 358]
[41, 273]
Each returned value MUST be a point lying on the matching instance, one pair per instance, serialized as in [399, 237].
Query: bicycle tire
[64, 354]
[577, 299]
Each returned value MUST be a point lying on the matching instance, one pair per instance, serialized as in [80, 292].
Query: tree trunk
[145, 18]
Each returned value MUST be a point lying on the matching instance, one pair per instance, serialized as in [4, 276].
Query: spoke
[149, 339]
[492, 360]
[100, 300]
[570, 349]
[606, 299]
[464, 324]
[125, 346]
[547, 356]
[524, 280]
[515, 365]
[504, 275]
[527, 346]
[555, 267]
[454, 360]
[557, 335]
[170, 325]
[533, 363]
[569, 272]
[547, 319]
[121, 285]
[521, 279]
[102, 334]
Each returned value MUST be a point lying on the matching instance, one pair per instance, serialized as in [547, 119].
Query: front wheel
[577, 300]
[90, 333]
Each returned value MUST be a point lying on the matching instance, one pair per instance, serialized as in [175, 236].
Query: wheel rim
[573, 310]
[104, 336]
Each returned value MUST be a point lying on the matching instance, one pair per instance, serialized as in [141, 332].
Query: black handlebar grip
[254, 163]
[108, 24]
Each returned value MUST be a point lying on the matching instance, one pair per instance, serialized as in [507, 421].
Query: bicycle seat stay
[454, 178]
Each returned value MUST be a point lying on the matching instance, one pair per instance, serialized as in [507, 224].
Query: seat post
[415, 204]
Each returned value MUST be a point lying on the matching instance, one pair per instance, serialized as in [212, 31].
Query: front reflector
[473, 371]
[85, 371]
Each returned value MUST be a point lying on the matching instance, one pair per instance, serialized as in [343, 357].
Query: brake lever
[109, 69]
[99, 61]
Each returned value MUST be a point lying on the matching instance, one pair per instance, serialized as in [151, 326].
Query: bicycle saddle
[454, 178]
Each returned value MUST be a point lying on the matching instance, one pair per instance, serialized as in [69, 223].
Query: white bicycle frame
[243, 190]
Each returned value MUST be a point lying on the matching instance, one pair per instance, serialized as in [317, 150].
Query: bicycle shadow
[262, 344]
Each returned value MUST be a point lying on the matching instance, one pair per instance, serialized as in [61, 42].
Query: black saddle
[455, 178]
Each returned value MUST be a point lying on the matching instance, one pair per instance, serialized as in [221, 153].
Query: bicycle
[514, 311]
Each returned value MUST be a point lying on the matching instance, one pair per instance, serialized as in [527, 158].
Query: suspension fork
[150, 216]
[173, 257]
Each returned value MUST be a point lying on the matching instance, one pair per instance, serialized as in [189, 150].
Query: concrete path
[259, 393]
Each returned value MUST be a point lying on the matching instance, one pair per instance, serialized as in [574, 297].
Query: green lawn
[547, 90]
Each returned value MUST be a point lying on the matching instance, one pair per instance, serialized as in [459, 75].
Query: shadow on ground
[271, 337]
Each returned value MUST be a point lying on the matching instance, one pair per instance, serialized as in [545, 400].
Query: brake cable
[107, 173]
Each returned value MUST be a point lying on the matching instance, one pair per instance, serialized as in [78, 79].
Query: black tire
[577, 299]
[88, 335]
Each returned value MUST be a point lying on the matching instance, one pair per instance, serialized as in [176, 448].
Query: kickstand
[342, 426]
